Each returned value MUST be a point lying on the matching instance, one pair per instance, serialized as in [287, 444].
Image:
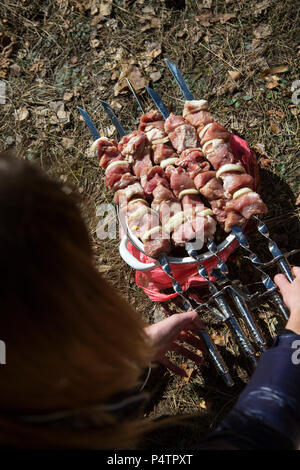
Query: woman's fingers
[282, 282]
[173, 367]
[192, 340]
[179, 349]
[296, 271]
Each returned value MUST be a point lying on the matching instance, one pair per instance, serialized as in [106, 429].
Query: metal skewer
[211, 348]
[162, 259]
[236, 230]
[266, 279]
[222, 269]
[274, 250]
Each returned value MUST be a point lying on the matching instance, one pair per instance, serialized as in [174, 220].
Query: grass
[52, 45]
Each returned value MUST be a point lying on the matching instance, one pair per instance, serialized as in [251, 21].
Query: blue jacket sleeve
[267, 413]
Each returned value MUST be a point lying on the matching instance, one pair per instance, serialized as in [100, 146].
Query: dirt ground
[242, 56]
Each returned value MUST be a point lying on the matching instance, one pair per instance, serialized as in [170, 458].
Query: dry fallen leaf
[262, 31]
[294, 110]
[273, 112]
[275, 129]
[116, 105]
[298, 200]
[58, 115]
[94, 10]
[205, 19]
[67, 143]
[182, 33]
[202, 404]
[261, 6]
[103, 268]
[273, 70]
[21, 114]
[76, 91]
[109, 131]
[219, 339]
[94, 43]
[134, 74]
[188, 371]
[68, 96]
[56, 106]
[153, 50]
[260, 148]
[37, 67]
[148, 10]
[265, 162]
[272, 81]
[226, 17]
[155, 76]
[15, 70]
[105, 7]
[234, 75]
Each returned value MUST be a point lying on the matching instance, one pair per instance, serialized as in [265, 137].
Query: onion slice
[95, 143]
[242, 192]
[160, 141]
[138, 213]
[201, 134]
[214, 142]
[205, 213]
[136, 200]
[187, 191]
[174, 222]
[116, 163]
[150, 232]
[230, 167]
[168, 161]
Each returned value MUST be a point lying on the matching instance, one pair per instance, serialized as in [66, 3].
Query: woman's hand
[163, 336]
[290, 292]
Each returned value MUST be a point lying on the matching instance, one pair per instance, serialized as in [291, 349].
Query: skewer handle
[285, 268]
[241, 339]
[274, 249]
[163, 261]
[217, 359]
[249, 320]
[281, 306]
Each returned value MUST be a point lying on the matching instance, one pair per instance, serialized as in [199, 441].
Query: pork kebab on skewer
[165, 155]
[245, 200]
[156, 132]
[106, 159]
[179, 178]
[118, 177]
[129, 194]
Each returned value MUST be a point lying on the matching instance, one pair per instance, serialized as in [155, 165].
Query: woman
[76, 352]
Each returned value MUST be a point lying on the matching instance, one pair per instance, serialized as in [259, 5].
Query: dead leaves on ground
[271, 77]
[7, 45]
[134, 74]
[274, 128]
[262, 31]
[274, 70]
[207, 19]
[132, 69]
[234, 75]
[21, 114]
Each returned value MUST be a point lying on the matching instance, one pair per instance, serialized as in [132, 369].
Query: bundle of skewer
[176, 180]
